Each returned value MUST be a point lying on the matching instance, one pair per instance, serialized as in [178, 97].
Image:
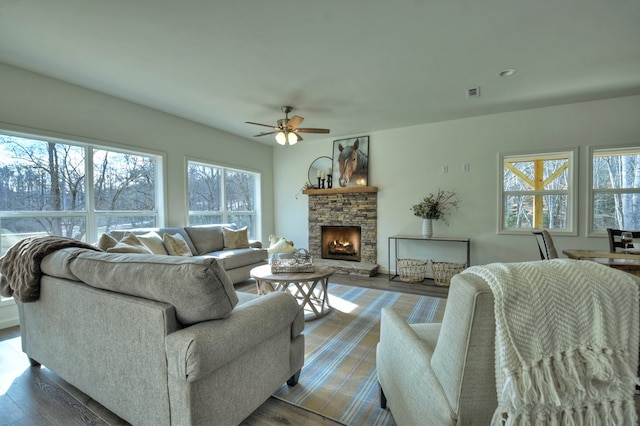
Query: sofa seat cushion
[197, 287]
[237, 258]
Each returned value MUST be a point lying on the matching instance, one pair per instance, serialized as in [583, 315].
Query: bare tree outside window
[537, 191]
[43, 189]
[222, 195]
[616, 189]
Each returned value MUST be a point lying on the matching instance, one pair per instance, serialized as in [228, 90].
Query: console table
[395, 241]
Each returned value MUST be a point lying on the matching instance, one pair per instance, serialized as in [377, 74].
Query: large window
[50, 186]
[615, 189]
[223, 195]
[537, 191]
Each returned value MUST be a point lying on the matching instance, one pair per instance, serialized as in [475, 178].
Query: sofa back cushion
[207, 238]
[118, 234]
[197, 287]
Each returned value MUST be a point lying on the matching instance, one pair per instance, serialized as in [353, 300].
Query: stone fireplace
[337, 209]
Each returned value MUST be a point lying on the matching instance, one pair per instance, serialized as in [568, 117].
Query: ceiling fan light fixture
[292, 138]
[281, 138]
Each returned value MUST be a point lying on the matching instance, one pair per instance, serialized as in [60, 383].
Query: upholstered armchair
[557, 358]
[441, 374]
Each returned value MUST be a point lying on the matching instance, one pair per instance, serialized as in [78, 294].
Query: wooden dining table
[625, 261]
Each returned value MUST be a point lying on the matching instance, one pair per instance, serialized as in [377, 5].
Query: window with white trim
[218, 194]
[538, 191]
[615, 189]
[50, 186]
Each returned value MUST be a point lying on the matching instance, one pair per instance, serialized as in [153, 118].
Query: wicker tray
[412, 270]
[443, 271]
[283, 266]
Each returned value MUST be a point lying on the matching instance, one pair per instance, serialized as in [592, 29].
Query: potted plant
[436, 207]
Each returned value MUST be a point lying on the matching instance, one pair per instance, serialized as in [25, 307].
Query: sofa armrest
[196, 351]
[255, 244]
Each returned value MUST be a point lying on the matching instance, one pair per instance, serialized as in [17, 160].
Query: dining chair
[545, 244]
[615, 240]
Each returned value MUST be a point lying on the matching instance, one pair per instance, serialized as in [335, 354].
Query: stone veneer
[349, 208]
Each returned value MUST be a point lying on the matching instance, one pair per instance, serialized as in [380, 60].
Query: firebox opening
[341, 242]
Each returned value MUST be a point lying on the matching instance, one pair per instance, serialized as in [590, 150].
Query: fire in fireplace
[341, 242]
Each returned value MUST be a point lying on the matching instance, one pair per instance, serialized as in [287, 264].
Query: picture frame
[351, 162]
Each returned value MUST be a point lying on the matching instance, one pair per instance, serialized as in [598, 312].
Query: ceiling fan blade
[264, 134]
[312, 130]
[299, 137]
[260, 124]
[294, 121]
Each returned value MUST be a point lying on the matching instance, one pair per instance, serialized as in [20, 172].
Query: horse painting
[353, 162]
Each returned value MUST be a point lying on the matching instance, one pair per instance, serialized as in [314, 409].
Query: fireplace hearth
[341, 242]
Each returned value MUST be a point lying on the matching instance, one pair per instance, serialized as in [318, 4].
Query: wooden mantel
[346, 190]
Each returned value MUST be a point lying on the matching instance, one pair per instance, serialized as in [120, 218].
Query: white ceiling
[353, 66]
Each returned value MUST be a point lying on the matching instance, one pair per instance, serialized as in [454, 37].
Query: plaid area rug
[339, 379]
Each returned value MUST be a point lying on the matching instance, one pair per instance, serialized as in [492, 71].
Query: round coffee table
[309, 288]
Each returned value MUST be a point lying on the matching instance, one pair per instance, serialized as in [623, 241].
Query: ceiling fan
[287, 131]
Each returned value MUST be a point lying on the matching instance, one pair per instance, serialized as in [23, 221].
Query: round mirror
[321, 166]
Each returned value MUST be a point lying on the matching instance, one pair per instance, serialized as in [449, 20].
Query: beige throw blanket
[20, 266]
[566, 342]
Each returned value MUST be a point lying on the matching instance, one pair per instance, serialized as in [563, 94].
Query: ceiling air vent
[473, 92]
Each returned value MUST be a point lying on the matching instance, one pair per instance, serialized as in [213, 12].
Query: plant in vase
[435, 207]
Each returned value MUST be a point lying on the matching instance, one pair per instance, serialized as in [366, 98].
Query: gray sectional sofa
[208, 240]
[161, 340]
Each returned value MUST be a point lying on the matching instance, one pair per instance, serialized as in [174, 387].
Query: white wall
[406, 164]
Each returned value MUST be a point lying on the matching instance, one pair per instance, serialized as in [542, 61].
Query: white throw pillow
[106, 241]
[154, 242]
[130, 244]
[282, 246]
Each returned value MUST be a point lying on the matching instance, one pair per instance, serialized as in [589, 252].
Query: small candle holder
[319, 182]
[329, 181]
[322, 183]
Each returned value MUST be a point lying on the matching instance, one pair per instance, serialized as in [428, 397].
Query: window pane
[244, 220]
[123, 181]
[239, 191]
[615, 176]
[536, 191]
[204, 187]
[209, 185]
[107, 224]
[513, 181]
[616, 210]
[519, 211]
[611, 170]
[15, 229]
[41, 176]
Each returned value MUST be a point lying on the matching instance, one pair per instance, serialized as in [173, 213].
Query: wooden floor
[37, 396]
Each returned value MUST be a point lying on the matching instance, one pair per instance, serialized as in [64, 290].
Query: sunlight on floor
[341, 304]
[16, 364]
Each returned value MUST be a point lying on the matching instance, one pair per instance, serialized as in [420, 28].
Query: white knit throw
[567, 336]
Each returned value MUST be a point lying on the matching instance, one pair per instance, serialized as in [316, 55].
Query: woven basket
[282, 266]
[412, 270]
[443, 271]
